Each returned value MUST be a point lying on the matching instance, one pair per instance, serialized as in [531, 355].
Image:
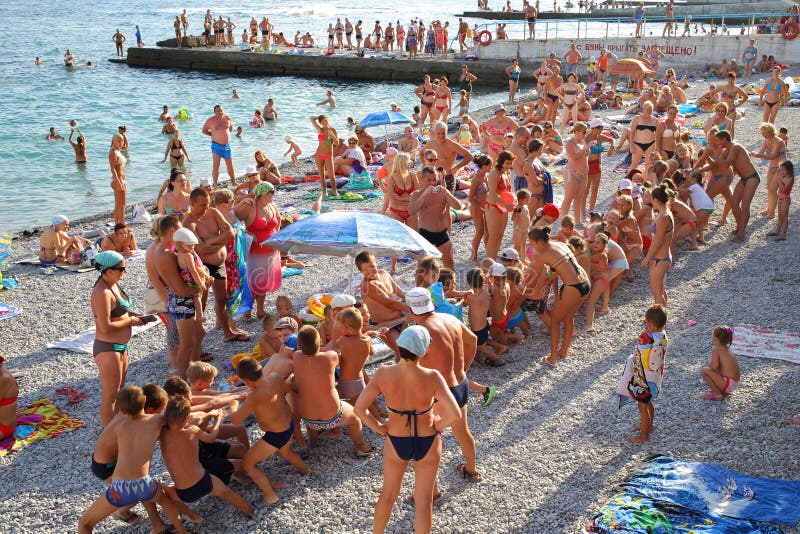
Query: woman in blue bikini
[412, 430]
[659, 259]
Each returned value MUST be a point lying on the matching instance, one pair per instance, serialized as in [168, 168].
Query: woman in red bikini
[427, 95]
[262, 219]
[328, 140]
[402, 182]
[498, 181]
[495, 129]
[9, 391]
[443, 102]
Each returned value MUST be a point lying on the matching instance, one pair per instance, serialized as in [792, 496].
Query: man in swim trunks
[572, 59]
[136, 436]
[118, 39]
[432, 205]
[463, 28]
[270, 113]
[530, 13]
[519, 147]
[219, 128]
[53, 136]
[738, 158]
[214, 232]
[318, 402]
[446, 152]
[408, 143]
[451, 352]
[382, 295]
[266, 28]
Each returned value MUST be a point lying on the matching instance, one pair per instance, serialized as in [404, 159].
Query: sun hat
[551, 210]
[415, 339]
[499, 107]
[184, 235]
[419, 300]
[291, 342]
[342, 300]
[250, 169]
[595, 123]
[107, 259]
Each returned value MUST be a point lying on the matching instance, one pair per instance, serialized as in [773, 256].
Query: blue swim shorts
[223, 151]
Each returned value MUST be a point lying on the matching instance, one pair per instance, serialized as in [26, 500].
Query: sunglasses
[431, 160]
[120, 269]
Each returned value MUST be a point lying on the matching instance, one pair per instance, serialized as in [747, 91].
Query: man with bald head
[447, 151]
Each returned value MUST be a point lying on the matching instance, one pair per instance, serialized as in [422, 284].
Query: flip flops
[73, 395]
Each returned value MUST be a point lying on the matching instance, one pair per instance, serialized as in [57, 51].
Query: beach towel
[758, 342]
[343, 197]
[240, 301]
[669, 495]
[83, 341]
[63, 266]
[7, 312]
[286, 272]
[641, 379]
[5, 250]
[41, 420]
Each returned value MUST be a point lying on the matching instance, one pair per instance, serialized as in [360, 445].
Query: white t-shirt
[700, 199]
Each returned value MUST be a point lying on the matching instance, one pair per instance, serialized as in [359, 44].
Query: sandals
[73, 395]
[132, 519]
[470, 476]
[437, 498]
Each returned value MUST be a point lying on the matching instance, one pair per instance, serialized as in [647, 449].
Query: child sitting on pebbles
[722, 374]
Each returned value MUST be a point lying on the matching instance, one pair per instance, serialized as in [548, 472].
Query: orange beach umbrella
[630, 67]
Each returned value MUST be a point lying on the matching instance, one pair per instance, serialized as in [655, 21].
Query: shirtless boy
[219, 128]
[354, 347]
[318, 402]
[180, 449]
[267, 403]
[135, 435]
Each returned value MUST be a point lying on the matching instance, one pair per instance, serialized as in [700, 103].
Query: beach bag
[360, 181]
[152, 302]
[86, 257]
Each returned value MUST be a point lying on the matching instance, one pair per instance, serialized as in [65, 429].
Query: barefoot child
[521, 221]
[268, 404]
[785, 181]
[354, 348]
[135, 436]
[318, 401]
[722, 374]
[641, 380]
[294, 149]
[270, 342]
[599, 275]
[702, 204]
[193, 272]
[477, 304]
[517, 319]
[285, 308]
[180, 450]
[498, 308]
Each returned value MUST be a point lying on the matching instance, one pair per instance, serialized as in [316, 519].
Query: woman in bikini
[658, 259]
[552, 91]
[576, 172]
[267, 169]
[176, 199]
[731, 95]
[122, 241]
[643, 136]
[79, 147]
[497, 208]
[719, 120]
[327, 142]
[495, 129]
[595, 139]
[542, 75]
[685, 220]
[111, 307]
[668, 133]
[772, 98]
[465, 80]
[176, 150]
[427, 96]
[412, 430]
[774, 151]
[554, 144]
[117, 163]
[568, 93]
[721, 173]
[536, 174]
[477, 201]
[402, 182]
[575, 287]
[443, 102]
[9, 393]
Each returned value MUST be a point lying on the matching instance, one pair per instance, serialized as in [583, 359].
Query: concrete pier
[490, 71]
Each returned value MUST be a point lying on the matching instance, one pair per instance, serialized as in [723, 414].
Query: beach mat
[7, 311]
[759, 342]
[345, 197]
[83, 341]
[669, 495]
[286, 272]
[5, 249]
[41, 420]
[62, 266]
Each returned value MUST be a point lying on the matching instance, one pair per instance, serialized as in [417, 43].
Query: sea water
[39, 178]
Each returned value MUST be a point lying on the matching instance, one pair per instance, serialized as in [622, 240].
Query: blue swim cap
[107, 259]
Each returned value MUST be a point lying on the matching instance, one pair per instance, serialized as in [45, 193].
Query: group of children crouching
[298, 381]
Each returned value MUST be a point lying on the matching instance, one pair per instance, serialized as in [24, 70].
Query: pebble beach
[551, 447]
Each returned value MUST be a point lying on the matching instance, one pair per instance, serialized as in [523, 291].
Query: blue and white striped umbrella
[346, 233]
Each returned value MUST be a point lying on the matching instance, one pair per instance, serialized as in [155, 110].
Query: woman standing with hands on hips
[328, 140]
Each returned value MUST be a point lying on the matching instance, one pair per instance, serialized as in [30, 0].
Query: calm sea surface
[39, 178]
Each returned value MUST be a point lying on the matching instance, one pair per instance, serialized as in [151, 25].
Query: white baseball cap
[498, 269]
[419, 300]
[595, 123]
[184, 235]
[250, 169]
[625, 184]
[509, 254]
[342, 300]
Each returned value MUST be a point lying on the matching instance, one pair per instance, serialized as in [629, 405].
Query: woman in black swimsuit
[176, 150]
[575, 286]
[412, 430]
[643, 136]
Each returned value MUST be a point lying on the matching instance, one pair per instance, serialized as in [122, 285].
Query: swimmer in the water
[330, 100]
[240, 132]
[235, 95]
[79, 146]
[69, 59]
[53, 136]
[37, 61]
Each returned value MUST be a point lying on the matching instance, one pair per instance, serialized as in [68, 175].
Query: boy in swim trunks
[268, 405]
[477, 303]
[135, 436]
[722, 374]
[180, 449]
[354, 348]
[318, 402]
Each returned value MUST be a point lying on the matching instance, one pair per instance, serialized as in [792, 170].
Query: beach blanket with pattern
[41, 420]
[759, 342]
[669, 495]
[7, 312]
[5, 250]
